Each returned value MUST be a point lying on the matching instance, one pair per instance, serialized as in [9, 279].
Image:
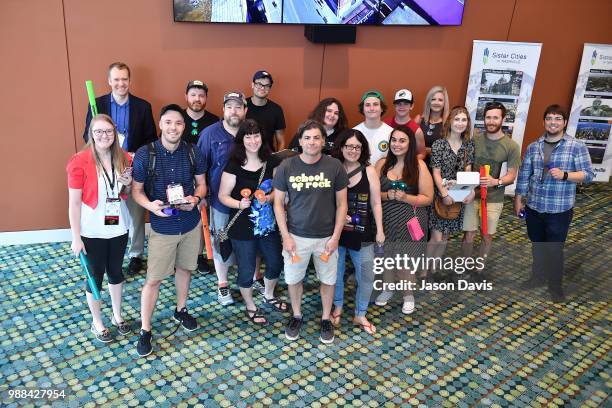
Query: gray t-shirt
[311, 188]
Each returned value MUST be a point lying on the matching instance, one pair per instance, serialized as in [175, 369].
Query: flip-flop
[367, 327]
[335, 318]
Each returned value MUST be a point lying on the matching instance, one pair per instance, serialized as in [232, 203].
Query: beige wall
[50, 47]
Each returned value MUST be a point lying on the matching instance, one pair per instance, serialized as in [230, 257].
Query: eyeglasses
[554, 118]
[350, 148]
[107, 132]
[259, 85]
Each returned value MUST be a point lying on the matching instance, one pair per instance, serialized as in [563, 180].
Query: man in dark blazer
[136, 127]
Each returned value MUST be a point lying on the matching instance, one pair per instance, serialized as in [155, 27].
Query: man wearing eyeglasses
[215, 143]
[197, 118]
[377, 132]
[499, 151]
[552, 166]
[268, 114]
[135, 127]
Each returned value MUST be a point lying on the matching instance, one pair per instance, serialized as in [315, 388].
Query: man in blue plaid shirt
[552, 166]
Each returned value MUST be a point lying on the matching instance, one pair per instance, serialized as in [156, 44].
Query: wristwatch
[500, 183]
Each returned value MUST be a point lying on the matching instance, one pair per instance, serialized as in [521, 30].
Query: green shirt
[494, 153]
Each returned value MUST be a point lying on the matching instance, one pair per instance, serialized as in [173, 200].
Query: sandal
[335, 318]
[277, 303]
[367, 327]
[255, 315]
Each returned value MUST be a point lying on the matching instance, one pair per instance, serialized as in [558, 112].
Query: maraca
[295, 258]
[324, 257]
[170, 211]
[245, 192]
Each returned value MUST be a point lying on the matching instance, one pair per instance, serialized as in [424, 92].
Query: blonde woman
[98, 179]
[435, 112]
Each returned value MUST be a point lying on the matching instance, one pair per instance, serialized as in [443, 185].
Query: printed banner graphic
[591, 115]
[503, 72]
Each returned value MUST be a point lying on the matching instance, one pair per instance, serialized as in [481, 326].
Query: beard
[493, 128]
[196, 106]
[233, 121]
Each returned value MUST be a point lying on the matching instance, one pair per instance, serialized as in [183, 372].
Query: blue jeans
[364, 277]
[269, 247]
[547, 233]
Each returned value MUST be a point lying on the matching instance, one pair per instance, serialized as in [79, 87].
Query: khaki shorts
[471, 216]
[167, 252]
[305, 248]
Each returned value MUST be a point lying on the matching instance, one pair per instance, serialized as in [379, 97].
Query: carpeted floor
[501, 348]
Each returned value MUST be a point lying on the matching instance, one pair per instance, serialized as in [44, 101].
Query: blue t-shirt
[215, 143]
[170, 168]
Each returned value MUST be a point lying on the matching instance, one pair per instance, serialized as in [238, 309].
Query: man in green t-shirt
[497, 150]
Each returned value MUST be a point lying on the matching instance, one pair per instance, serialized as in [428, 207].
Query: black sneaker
[143, 347]
[134, 266]
[327, 331]
[203, 264]
[557, 296]
[292, 331]
[188, 322]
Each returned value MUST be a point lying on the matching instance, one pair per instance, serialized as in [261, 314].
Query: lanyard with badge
[174, 191]
[113, 204]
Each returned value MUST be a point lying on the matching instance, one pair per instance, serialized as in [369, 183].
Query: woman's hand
[448, 200]
[77, 246]
[244, 203]
[380, 237]
[391, 195]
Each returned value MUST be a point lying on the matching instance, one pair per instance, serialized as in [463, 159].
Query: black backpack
[150, 184]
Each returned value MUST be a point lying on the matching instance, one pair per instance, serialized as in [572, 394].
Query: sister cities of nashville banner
[591, 115]
[503, 72]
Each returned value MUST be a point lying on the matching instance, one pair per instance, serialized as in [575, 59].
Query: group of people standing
[337, 191]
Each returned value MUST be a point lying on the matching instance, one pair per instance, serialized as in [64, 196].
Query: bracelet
[199, 199]
[444, 197]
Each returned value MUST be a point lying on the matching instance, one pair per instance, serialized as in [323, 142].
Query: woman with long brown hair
[98, 179]
[406, 191]
[451, 154]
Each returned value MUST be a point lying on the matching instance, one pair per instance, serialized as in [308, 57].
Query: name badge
[111, 211]
[121, 138]
[175, 194]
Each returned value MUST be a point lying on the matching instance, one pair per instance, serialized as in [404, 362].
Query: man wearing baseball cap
[215, 143]
[377, 132]
[196, 116]
[196, 119]
[403, 103]
[268, 114]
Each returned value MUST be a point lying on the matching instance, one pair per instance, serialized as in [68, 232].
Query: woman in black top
[330, 113]
[435, 112]
[254, 229]
[356, 239]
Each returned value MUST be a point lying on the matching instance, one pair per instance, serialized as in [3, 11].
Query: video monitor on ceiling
[338, 12]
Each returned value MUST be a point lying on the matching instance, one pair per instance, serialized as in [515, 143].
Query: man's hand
[331, 245]
[193, 201]
[156, 208]
[556, 173]
[289, 245]
[488, 181]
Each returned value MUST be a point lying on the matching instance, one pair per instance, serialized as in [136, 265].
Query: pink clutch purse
[414, 227]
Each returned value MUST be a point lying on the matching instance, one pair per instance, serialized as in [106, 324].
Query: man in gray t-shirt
[315, 187]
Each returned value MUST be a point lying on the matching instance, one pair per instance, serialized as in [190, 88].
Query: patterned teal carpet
[501, 348]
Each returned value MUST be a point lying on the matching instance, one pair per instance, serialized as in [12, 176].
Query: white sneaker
[224, 296]
[408, 306]
[383, 298]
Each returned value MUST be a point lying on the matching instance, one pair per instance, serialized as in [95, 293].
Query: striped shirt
[170, 167]
[544, 193]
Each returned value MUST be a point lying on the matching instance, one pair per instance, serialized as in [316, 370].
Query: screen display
[354, 12]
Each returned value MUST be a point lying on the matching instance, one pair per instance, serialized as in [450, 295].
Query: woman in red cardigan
[99, 177]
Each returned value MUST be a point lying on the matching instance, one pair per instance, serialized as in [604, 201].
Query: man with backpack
[169, 182]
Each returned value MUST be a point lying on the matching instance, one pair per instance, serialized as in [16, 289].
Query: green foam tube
[90, 280]
[92, 97]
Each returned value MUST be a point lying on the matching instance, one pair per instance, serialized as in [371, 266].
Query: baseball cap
[196, 84]
[263, 74]
[372, 93]
[234, 96]
[403, 95]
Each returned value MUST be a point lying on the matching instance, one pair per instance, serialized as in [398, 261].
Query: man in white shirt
[377, 132]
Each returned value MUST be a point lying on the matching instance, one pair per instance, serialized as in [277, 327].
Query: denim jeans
[547, 233]
[269, 247]
[364, 277]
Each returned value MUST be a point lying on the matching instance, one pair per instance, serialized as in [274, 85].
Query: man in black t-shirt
[268, 114]
[196, 115]
[196, 119]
